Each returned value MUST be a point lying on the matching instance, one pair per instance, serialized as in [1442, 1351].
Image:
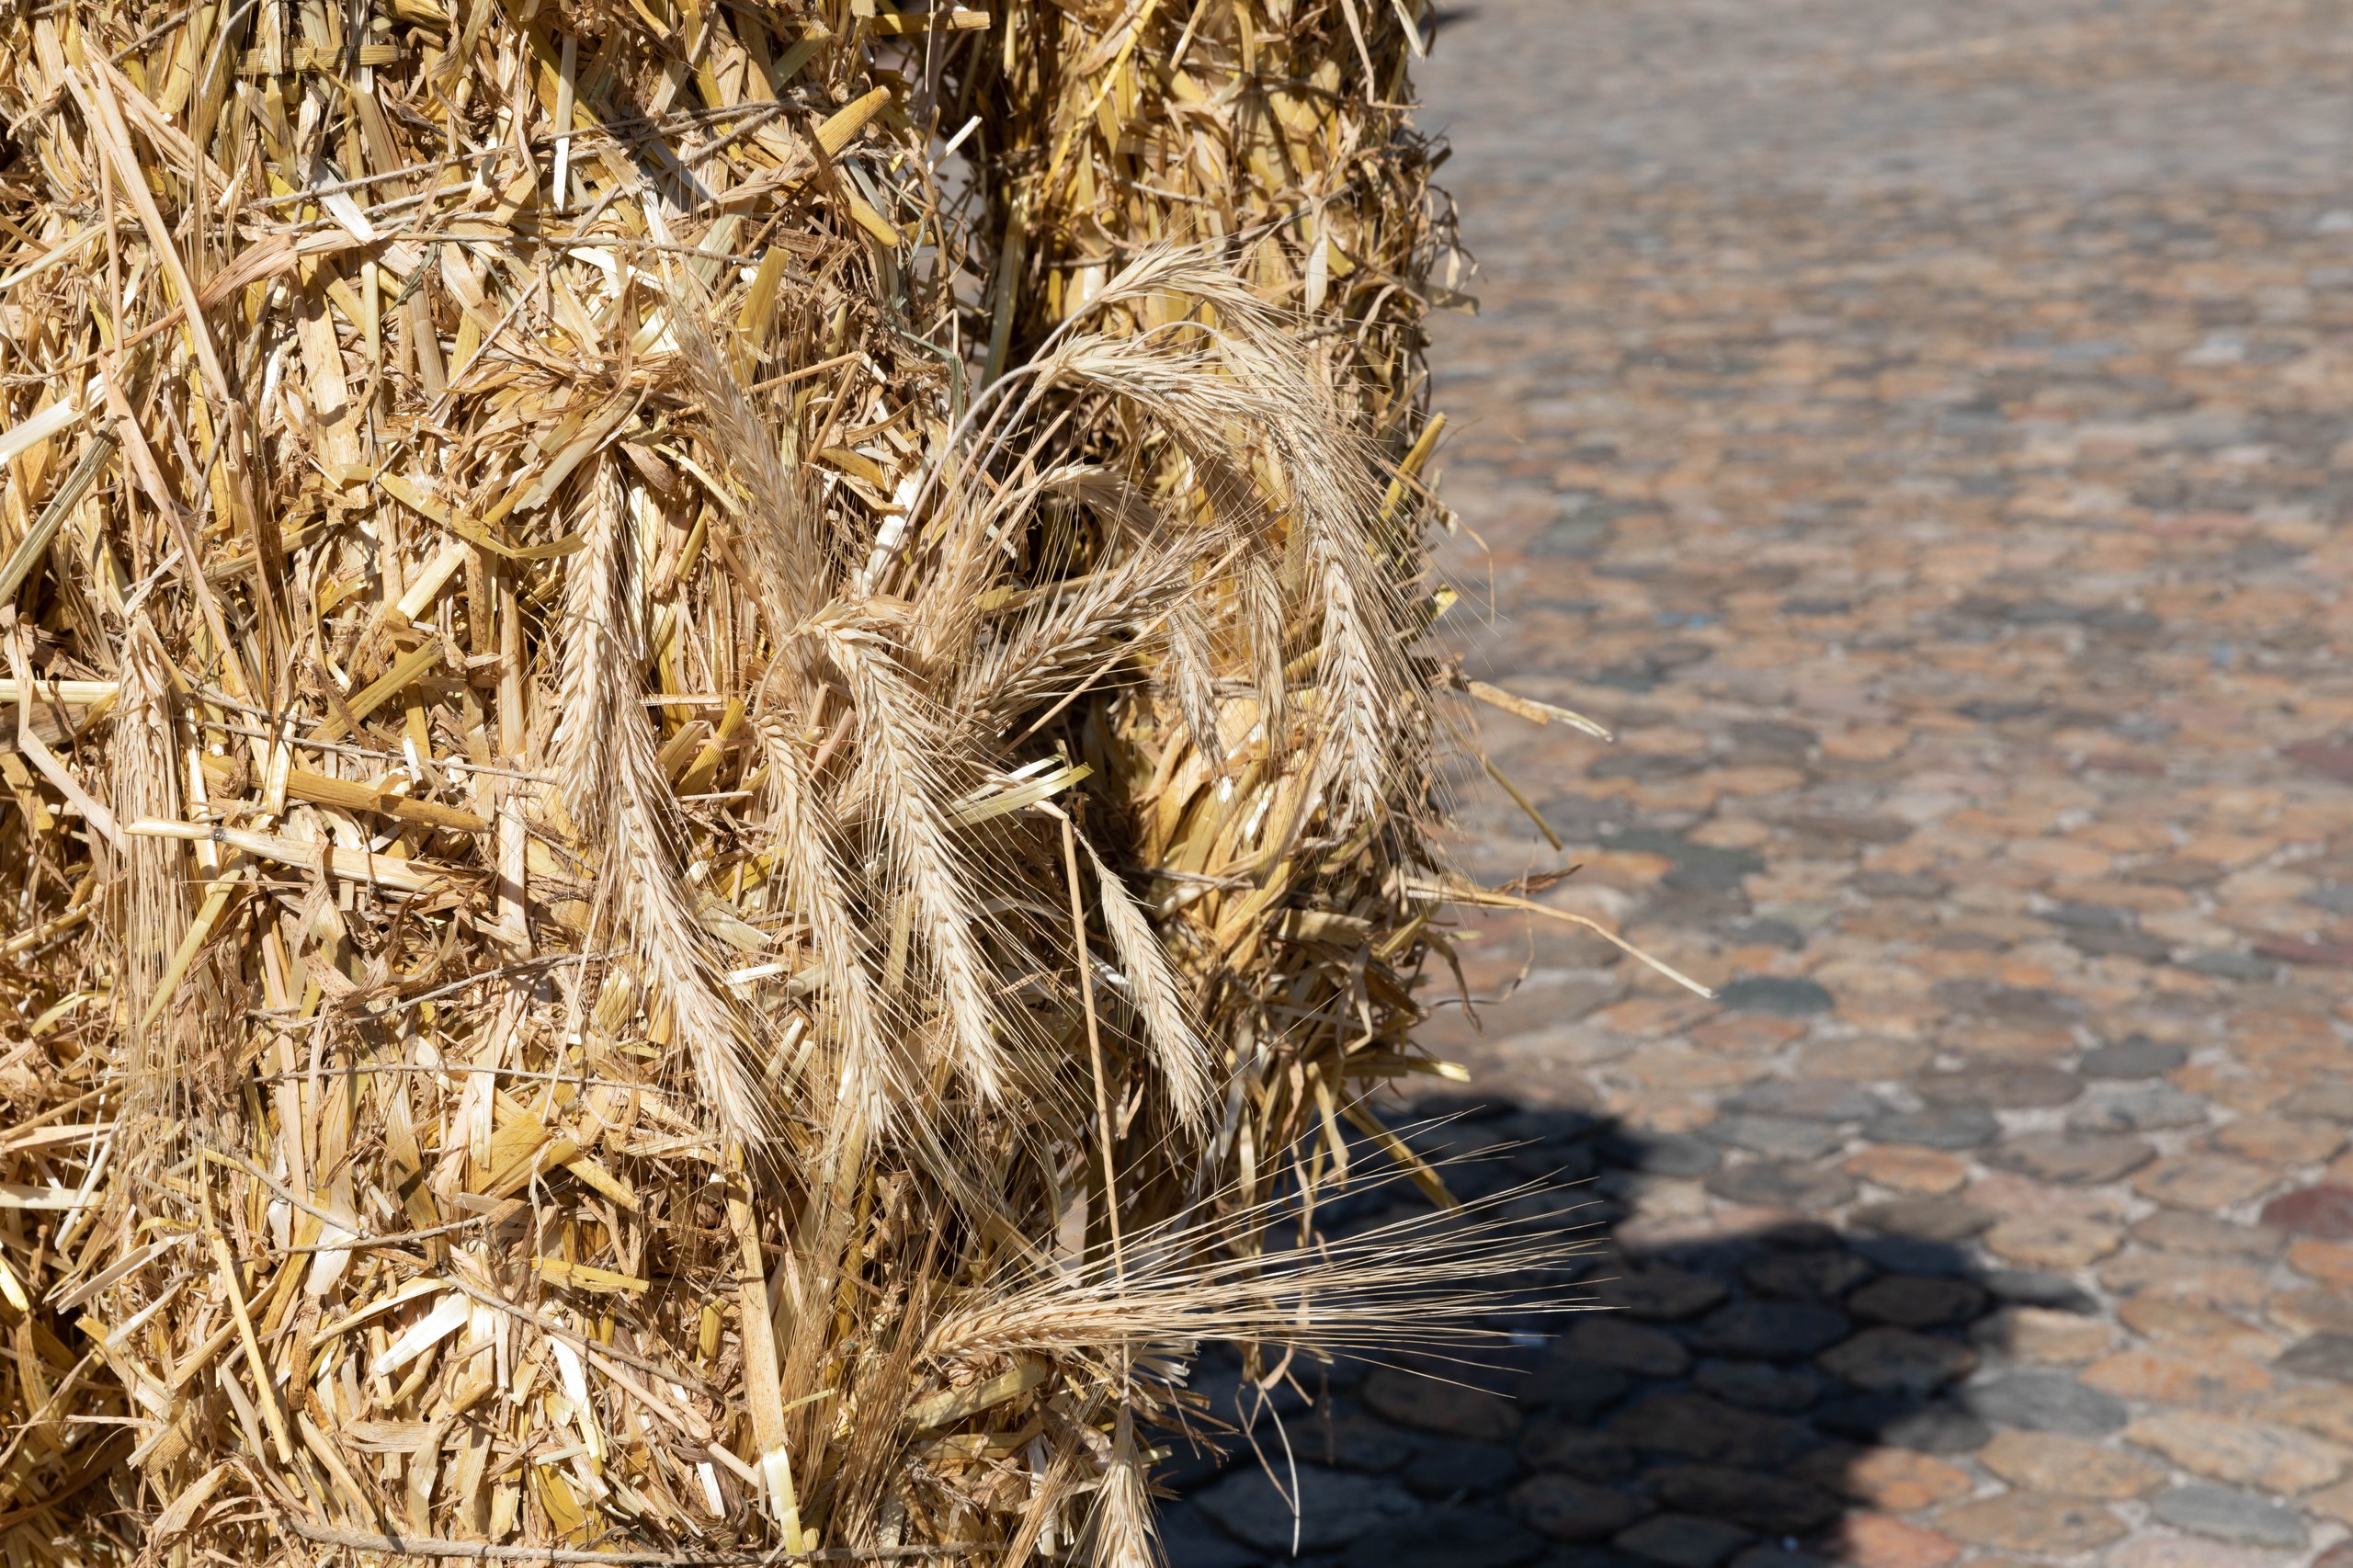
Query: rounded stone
[1905, 1420]
[1907, 1167]
[2325, 1211]
[2031, 1521]
[2201, 1183]
[2315, 1407]
[2206, 1235]
[1758, 1385]
[2186, 1373]
[1897, 1479]
[2006, 1086]
[1683, 1540]
[2230, 1284]
[2186, 1551]
[1578, 1389]
[2135, 1056]
[1864, 1060]
[1335, 1507]
[1694, 1427]
[2045, 1462]
[1898, 1360]
[1777, 1136]
[1950, 1126]
[1446, 1537]
[2034, 1288]
[1187, 1536]
[2330, 1263]
[1449, 1470]
[1554, 1445]
[1925, 1218]
[2142, 1108]
[1877, 1540]
[1812, 1099]
[2278, 1460]
[2310, 1311]
[1770, 1330]
[2045, 1401]
[2325, 1102]
[1569, 1509]
[2224, 1514]
[1446, 1408]
[2075, 1159]
[2321, 1355]
[1821, 1276]
[1660, 1154]
[2281, 1142]
[1766, 1504]
[1612, 1341]
[1354, 1440]
[2053, 1240]
[1912, 1254]
[1770, 1185]
[1662, 1295]
[1775, 1555]
[2039, 1336]
[1912, 1301]
[1783, 996]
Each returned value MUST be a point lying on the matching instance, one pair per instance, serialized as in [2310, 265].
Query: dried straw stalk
[659, 906]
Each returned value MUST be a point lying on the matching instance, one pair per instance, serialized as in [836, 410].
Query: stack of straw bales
[711, 812]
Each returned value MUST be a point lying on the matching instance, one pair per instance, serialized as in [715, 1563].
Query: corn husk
[662, 904]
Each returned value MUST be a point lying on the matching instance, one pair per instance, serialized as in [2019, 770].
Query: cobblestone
[2044, 1461]
[2245, 1453]
[2326, 1355]
[2029, 1521]
[2053, 1240]
[1630, 1347]
[2037, 1334]
[1684, 1541]
[1569, 1509]
[1891, 1479]
[2046, 1402]
[1920, 433]
[1771, 1329]
[1334, 1509]
[1897, 1358]
[1879, 1541]
[2226, 1514]
[1448, 1409]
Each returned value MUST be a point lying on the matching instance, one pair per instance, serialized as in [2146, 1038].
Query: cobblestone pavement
[1920, 432]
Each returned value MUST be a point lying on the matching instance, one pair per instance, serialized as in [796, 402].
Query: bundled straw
[1283, 126]
[663, 903]
[1277, 132]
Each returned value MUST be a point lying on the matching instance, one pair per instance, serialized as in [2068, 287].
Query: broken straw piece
[448, 1314]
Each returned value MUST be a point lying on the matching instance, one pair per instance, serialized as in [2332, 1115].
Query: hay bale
[1278, 133]
[1280, 128]
[650, 915]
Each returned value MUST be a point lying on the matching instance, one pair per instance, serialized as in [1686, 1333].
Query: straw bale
[663, 903]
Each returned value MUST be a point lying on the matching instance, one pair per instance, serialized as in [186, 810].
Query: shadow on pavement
[1755, 1397]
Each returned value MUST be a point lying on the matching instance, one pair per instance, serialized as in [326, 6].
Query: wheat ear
[1156, 995]
[1124, 1536]
[617, 796]
[821, 887]
[903, 750]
